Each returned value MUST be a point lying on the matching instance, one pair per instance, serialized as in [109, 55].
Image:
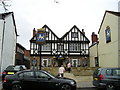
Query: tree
[6, 4]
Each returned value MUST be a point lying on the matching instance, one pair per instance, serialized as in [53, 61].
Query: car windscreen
[17, 68]
[10, 68]
[22, 67]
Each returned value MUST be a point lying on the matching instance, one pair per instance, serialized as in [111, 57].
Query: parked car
[108, 78]
[37, 79]
[12, 69]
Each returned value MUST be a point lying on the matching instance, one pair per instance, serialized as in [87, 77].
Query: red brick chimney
[94, 37]
[34, 32]
[27, 53]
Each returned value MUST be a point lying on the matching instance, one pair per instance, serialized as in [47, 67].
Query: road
[77, 89]
[87, 89]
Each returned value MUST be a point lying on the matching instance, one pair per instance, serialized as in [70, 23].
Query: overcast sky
[59, 15]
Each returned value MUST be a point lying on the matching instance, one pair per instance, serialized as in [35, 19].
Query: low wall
[77, 71]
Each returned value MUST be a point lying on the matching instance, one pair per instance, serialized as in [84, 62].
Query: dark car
[37, 79]
[12, 69]
[108, 78]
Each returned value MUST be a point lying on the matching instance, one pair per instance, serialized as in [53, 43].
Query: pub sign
[40, 37]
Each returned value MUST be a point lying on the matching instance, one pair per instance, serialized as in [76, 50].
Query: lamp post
[40, 40]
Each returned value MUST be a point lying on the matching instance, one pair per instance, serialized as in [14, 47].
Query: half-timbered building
[72, 47]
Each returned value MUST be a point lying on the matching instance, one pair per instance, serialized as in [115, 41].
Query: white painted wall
[108, 52]
[8, 54]
[93, 54]
[1, 37]
[119, 41]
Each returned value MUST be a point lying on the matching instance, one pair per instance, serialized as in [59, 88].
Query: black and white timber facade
[72, 47]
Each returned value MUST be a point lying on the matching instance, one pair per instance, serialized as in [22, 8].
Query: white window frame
[46, 63]
[76, 62]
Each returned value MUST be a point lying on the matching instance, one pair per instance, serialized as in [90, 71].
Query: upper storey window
[47, 34]
[74, 34]
[46, 47]
[108, 34]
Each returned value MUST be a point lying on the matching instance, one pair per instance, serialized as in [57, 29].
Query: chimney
[94, 38]
[83, 31]
[34, 32]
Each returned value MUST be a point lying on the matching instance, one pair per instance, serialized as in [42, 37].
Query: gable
[50, 35]
[105, 15]
[75, 35]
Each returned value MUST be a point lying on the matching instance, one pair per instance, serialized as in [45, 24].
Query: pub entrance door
[60, 60]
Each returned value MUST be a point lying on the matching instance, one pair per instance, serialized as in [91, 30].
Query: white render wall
[1, 37]
[9, 43]
[93, 54]
[108, 52]
[119, 41]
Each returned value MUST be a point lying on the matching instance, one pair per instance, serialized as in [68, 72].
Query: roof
[6, 14]
[19, 45]
[114, 13]
[78, 31]
[111, 12]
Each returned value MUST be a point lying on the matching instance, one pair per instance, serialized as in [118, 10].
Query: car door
[44, 81]
[28, 80]
[116, 76]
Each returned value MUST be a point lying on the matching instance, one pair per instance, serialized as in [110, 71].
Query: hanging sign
[40, 37]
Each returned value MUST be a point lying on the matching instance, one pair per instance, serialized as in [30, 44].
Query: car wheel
[110, 87]
[66, 87]
[16, 87]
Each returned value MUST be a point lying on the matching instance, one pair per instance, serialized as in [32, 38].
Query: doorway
[74, 62]
[45, 62]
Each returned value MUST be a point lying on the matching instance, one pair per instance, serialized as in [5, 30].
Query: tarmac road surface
[87, 88]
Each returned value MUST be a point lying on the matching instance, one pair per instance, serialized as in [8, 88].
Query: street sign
[40, 37]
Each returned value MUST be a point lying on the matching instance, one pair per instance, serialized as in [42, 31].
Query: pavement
[82, 81]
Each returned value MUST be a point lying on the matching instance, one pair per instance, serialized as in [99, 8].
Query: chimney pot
[94, 37]
[34, 32]
[83, 31]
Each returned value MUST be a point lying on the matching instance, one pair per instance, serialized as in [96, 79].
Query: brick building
[22, 56]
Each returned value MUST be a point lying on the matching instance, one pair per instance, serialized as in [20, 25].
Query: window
[108, 34]
[116, 72]
[109, 72]
[1, 17]
[41, 75]
[19, 50]
[45, 62]
[47, 34]
[28, 74]
[60, 47]
[74, 34]
[74, 47]
[20, 75]
[96, 62]
[46, 47]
